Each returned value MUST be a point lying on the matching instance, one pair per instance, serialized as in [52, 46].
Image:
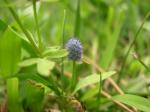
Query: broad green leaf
[39, 79]
[54, 52]
[90, 93]
[138, 102]
[92, 79]
[29, 62]
[10, 53]
[44, 67]
[32, 90]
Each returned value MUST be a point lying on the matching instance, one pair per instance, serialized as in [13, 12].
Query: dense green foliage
[36, 75]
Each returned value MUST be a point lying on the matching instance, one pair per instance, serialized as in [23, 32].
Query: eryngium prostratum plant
[74, 48]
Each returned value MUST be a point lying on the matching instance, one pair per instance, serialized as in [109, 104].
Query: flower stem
[74, 76]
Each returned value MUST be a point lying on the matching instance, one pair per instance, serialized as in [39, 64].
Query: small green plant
[64, 56]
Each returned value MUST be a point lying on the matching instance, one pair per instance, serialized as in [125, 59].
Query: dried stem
[112, 82]
[116, 102]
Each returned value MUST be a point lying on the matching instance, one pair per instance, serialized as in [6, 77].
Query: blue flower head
[74, 48]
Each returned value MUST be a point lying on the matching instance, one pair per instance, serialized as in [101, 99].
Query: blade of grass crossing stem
[145, 66]
[36, 23]
[141, 62]
[62, 60]
[29, 37]
[77, 21]
[13, 95]
[131, 45]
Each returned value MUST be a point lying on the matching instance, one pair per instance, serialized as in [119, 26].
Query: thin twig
[112, 82]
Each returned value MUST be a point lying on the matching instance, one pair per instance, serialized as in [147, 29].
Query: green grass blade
[138, 102]
[37, 25]
[77, 21]
[13, 95]
[10, 53]
[63, 45]
[131, 45]
[16, 17]
[113, 37]
[141, 62]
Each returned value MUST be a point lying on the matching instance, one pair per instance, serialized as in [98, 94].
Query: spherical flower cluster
[74, 48]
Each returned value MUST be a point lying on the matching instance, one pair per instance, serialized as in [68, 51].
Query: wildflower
[74, 48]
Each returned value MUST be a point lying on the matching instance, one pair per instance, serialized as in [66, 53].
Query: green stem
[16, 17]
[141, 62]
[145, 66]
[63, 35]
[37, 25]
[131, 45]
[13, 95]
[74, 76]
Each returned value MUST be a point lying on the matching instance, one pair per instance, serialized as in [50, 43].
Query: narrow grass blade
[29, 37]
[131, 45]
[77, 21]
[113, 37]
[142, 63]
[37, 24]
